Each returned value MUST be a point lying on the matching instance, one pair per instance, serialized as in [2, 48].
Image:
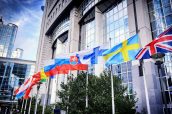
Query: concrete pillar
[99, 19]
[154, 99]
[145, 35]
[153, 87]
[73, 35]
[142, 21]
[138, 87]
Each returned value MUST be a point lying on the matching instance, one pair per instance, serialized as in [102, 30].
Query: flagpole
[112, 89]
[36, 105]
[86, 105]
[146, 89]
[69, 90]
[22, 106]
[86, 98]
[30, 105]
[25, 107]
[45, 97]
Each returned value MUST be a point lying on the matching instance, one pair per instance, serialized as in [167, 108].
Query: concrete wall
[147, 90]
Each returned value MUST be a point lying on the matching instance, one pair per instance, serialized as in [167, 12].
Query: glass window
[124, 77]
[129, 77]
[167, 10]
[150, 6]
[88, 38]
[117, 29]
[161, 19]
[165, 2]
[130, 88]
[168, 19]
[157, 4]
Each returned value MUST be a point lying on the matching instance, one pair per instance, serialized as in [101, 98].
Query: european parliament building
[74, 25]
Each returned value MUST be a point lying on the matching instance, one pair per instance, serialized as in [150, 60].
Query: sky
[27, 15]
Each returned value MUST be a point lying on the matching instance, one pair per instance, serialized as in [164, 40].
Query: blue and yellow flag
[122, 52]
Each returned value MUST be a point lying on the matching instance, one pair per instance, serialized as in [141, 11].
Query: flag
[92, 56]
[71, 63]
[64, 65]
[43, 76]
[28, 90]
[122, 52]
[21, 90]
[56, 68]
[162, 44]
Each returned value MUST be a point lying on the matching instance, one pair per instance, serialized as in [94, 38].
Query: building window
[123, 71]
[87, 5]
[61, 28]
[116, 29]
[116, 25]
[160, 12]
[88, 35]
[88, 39]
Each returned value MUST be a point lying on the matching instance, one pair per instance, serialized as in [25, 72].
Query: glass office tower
[13, 72]
[7, 37]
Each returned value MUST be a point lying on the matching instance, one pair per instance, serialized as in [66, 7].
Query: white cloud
[30, 47]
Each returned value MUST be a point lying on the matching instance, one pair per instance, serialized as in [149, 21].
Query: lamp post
[158, 57]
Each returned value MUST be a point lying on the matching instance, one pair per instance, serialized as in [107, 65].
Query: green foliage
[99, 96]
[48, 109]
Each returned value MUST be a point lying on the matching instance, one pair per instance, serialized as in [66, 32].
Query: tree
[48, 108]
[99, 94]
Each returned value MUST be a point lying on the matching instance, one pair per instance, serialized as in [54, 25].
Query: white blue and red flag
[162, 44]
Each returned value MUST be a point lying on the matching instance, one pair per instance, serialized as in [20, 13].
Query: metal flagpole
[45, 97]
[22, 106]
[112, 89]
[146, 90]
[69, 89]
[36, 105]
[30, 105]
[25, 107]
[86, 98]
[86, 105]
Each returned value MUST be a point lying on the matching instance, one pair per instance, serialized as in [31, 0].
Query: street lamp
[158, 57]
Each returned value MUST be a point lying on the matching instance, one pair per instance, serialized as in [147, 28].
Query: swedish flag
[122, 52]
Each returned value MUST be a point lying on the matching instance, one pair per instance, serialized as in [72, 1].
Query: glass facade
[87, 5]
[160, 12]
[116, 28]
[61, 28]
[88, 35]
[116, 25]
[7, 38]
[60, 37]
[11, 76]
[88, 38]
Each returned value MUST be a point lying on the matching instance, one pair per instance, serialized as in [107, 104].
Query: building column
[138, 87]
[145, 36]
[73, 34]
[99, 19]
[152, 82]
[153, 86]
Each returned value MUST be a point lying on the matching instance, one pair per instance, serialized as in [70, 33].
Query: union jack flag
[162, 44]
